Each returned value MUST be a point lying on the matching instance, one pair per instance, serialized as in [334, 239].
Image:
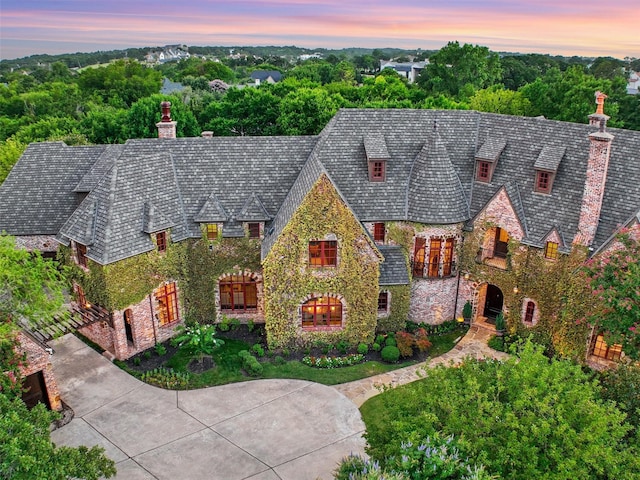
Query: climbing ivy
[557, 286]
[288, 281]
[399, 309]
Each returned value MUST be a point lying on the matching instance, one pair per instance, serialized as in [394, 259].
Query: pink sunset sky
[563, 27]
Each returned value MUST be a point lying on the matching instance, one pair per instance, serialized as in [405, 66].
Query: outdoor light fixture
[515, 289]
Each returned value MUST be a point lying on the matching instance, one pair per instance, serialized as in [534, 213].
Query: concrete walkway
[473, 344]
[258, 430]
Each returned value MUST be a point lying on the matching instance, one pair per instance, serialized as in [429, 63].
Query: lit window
[383, 302]
[551, 250]
[238, 292]
[529, 311]
[543, 182]
[484, 170]
[212, 231]
[167, 303]
[254, 230]
[322, 312]
[81, 255]
[161, 241]
[378, 232]
[602, 350]
[434, 257]
[323, 253]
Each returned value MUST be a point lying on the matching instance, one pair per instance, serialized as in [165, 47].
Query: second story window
[323, 253]
[161, 241]
[254, 230]
[212, 231]
[81, 255]
[551, 251]
[543, 182]
[383, 302]
[484, 172]
[379, 232]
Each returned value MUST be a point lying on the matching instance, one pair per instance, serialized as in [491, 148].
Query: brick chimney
[597, 165]
[166, 127]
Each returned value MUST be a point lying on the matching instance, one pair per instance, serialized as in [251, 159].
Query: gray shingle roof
[99, 168]
[375, 147]
[491, 149]
[549, 158]
[253, 210]
[212, 211]
[393, 270]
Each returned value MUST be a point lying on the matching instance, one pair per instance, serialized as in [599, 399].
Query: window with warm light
[551, 250]
[212, 231]
[238, 293]
[167, 304]
[608, 352]
[379, 231]
[161, 241]
[322, 312]
[323, 253]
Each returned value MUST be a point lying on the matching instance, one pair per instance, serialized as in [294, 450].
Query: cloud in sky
[569, 27]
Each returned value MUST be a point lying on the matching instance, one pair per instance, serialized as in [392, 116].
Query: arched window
[238, 293]
[529, 312]
[322, 312]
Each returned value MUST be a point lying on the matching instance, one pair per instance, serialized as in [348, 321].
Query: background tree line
[113, 102]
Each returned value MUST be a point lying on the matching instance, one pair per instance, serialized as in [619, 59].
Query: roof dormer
[375, 148]
[487, 158]
[546, 167]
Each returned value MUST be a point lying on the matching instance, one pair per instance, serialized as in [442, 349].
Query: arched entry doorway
[493, 302]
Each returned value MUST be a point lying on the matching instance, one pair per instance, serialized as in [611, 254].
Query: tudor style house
[326, 237]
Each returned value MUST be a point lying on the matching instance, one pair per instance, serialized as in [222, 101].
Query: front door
[493, 302]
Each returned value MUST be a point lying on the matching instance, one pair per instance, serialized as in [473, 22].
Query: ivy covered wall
[398, 309]
[557, 287]
[289, 280]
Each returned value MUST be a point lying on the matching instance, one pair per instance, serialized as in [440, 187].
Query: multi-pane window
[440, 261]
[529, 312]
[543, 182]
[551, 250]
[323, 253]
[434, 257]
[81, 255]
[447, 260]
[322, 312]
[161, 241]
[212, 231]
[254, 230]
[383, 302]
[378, 232]
[238, 293]
[167, 301]
[602, 350]
[377, 171]
[483, 173]
[418, 257]
[501, 247]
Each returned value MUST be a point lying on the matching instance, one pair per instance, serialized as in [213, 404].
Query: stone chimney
[207, 134]
[166, 127]
[597, 165]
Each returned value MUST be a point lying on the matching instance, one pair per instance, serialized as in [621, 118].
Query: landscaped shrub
[250, 325]
[390, 341]
[160, 349]
[253, 367]
[342, 346]
[404, 342]
[278, 360]
[258, 350]
[146, 355]
[375, 347]
[390, 354]
[421, 340]
[333, 362]
[380, 339]
[497, 343]
[197, 340]
[166, 378]
[363, 348]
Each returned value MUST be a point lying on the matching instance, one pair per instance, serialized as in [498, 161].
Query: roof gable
[212, 211]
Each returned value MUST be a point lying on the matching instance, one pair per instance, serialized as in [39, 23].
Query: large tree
[529, 417]
[460, 70]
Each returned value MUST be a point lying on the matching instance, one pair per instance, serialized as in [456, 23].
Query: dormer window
[551, 250]
[379, 231]
[542, 182]
[212, 231]
[484, 172]
[253, 230]
[546, 167]
[376, 171]
[161, 241]
[81, 255]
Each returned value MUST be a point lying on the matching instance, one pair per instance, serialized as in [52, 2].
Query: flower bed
[325, 361]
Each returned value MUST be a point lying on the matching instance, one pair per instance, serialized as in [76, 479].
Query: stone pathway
[473, 344]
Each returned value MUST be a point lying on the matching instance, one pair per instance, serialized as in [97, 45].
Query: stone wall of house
[499, 211]
[433, 300]
[100, 333]
[38, 360]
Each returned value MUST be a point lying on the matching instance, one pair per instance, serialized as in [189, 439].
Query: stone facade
[38, 360]
[433, 300]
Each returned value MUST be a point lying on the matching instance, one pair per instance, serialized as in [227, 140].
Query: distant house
[633, 87]
[265, 76]
[169, 87]
[308, 56]
[409, 70]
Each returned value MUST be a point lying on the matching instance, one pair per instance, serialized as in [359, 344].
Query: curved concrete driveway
[259, 430]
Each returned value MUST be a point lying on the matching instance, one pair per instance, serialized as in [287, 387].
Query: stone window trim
[315, 304]
[252, 277]
[530, 312]
[238, 293]
[323, 253]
